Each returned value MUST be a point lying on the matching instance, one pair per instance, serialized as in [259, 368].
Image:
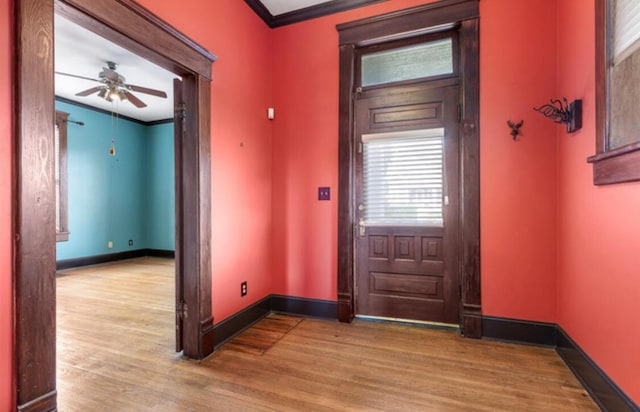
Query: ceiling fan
[114, 86]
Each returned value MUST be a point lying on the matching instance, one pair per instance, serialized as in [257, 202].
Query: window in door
[403, 177]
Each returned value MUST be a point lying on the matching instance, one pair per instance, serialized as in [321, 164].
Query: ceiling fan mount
[114, 86]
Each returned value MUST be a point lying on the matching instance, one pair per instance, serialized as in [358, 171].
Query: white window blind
[403, 178]
[626, 30]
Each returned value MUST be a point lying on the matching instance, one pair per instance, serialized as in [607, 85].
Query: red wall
[6, 315]
[305, 152]
[598, 227]
[241, 143]
[518, 178]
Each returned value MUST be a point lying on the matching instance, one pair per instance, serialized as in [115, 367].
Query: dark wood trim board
[308, 13]
[169, 254]
[521, 331]
[314, 308]
[237, 323]
[113, 257]
[602, 389]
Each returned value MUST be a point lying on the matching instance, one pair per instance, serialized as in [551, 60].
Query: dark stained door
[407, 202]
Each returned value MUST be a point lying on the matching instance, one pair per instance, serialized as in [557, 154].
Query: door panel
[407, 204]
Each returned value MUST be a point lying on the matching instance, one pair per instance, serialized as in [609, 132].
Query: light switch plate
[324, 193]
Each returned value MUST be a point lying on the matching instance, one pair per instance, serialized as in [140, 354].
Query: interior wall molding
[308, 13]
[108, 113]
[113, 257]
[603, 390]
[290, 305]
[521, 331]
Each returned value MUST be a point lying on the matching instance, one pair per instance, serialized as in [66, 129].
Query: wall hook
[515, 128]
[561, 111]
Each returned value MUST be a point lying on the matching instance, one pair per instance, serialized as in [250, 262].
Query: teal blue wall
[121, 197]
[160, 230]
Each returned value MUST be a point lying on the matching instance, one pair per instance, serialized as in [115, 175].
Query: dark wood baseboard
[97, 259]
[161, 253]
[206, 338]
[112, 257]
[602, 389]
[45, 403]
[521, 331]
[314, 308]
[236, 324]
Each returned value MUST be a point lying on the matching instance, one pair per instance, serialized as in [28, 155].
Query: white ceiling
[277, 7]
[81, 52]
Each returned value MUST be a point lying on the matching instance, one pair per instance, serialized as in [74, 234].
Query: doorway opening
[410, 250]
[129, 25]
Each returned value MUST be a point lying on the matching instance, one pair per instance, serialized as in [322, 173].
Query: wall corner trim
[603, 390]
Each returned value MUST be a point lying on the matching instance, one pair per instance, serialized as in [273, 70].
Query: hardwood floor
[115, 353]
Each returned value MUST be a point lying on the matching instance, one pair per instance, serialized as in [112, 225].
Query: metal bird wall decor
[561, 111]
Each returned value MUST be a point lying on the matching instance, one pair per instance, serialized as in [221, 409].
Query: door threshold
[409, 322]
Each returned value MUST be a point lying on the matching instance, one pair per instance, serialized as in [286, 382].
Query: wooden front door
[407, 203]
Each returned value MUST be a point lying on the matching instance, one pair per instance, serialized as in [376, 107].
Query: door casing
[34, 262]
[463, 15]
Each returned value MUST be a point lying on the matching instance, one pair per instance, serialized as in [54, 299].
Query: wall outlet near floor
[110, 244]
[130, 242]
[243, 289]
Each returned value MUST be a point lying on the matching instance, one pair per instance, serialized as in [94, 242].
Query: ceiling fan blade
[89, 91]
[146, 90]
[79, 77]
[134, 100]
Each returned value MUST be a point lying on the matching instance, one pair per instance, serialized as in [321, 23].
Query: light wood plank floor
[115, 353]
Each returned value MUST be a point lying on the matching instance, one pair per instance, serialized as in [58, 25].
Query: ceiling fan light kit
[114, 87]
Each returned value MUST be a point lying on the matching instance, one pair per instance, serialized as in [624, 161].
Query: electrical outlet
[324, 193]
[130, 242]
[110, 244]
[243, 289]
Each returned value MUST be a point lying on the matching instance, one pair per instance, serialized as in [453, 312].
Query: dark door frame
[34, 257]
[439, 16]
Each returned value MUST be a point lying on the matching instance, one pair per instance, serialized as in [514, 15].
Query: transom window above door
[420, 60]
